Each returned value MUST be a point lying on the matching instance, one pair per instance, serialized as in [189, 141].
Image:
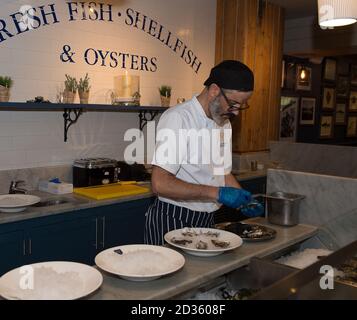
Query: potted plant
[70, 90]
[5, 86]
[83, 89]
[136, 96]
[165, 95]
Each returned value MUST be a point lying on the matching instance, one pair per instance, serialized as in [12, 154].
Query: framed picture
[289, 76]
[328, 101]
[353, 101]
[326, 127]
[330, 70]
[340, 117]
[351, 127]
[303, 78]
[288, 118]
[342, 87]
[353, 74]
[307, 111]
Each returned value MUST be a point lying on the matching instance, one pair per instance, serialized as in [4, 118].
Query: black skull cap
[232, 75]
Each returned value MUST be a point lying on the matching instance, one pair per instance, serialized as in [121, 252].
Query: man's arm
[231, 181]
[165, 184]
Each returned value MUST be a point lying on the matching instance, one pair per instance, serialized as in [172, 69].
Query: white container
[55, 188]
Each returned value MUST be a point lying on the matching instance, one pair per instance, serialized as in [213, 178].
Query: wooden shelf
[72, 112]
[31, 106]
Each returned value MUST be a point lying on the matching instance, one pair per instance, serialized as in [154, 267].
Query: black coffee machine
[102, 171]
[94, 172]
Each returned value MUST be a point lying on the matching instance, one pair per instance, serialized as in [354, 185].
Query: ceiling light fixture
[337, 13]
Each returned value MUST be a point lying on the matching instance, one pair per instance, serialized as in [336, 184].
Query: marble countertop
[75, 202]
[198, 271]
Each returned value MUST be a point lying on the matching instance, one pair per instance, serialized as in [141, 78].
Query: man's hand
[233, 197]
[253, 211]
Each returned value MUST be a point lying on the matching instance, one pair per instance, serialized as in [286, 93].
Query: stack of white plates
[17, 202]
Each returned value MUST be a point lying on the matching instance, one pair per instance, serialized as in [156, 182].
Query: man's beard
[217, 116]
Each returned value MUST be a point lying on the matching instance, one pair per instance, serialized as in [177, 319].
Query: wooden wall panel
[257, 40]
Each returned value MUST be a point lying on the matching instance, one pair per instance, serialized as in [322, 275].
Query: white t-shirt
[194, 149]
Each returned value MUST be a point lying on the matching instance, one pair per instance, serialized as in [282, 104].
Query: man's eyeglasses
[234, 105]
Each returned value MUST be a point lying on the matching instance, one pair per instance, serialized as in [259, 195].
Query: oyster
[180, 241]
[189, 233]
[254, 233]
[220, 244]
[201, 245]
[211, 234]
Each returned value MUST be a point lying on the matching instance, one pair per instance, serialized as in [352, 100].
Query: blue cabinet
[72, 240]
[12, 250]
[72, 236]
[126, 226]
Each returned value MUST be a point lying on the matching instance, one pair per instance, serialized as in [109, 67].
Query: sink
[52, 202]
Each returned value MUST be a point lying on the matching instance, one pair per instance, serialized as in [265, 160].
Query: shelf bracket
[145, 116]
[69, 120]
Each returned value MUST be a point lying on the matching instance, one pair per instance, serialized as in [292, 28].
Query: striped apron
[163, 217]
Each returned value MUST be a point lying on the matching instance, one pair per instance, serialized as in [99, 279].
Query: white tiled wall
[32, 139]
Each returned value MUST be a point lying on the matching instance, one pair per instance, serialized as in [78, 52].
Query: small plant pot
[69, 96]
[83, 97]
[165, 101]
[4, 94]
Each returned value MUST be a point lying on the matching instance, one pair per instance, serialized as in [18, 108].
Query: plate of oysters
[203, 242]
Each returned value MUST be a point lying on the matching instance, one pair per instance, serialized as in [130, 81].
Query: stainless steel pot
[283, 208]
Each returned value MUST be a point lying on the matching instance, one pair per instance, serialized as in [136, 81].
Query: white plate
[140, 262]
[17, 202]
[56, 280]
[200, 234]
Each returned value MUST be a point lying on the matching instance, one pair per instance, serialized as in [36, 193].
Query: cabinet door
[12, 250]
[68, 240]
[125, 223]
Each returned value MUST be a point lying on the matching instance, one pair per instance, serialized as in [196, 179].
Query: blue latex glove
[233, 197]
[253, 211]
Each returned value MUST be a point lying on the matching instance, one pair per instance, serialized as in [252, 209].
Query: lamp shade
[336, 13]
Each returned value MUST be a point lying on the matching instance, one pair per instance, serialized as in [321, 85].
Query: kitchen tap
[15, 189]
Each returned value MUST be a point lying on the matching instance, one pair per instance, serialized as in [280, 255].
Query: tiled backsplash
[35, 139]
[32, 176]
[242, 162]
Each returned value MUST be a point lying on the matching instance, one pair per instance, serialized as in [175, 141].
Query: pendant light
[337, 13]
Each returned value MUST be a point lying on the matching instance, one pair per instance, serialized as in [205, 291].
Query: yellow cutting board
[110, 191]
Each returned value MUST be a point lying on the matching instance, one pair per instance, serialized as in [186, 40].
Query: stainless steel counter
[198, 271]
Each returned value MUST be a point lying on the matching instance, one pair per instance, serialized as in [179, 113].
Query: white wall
[32, 59]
